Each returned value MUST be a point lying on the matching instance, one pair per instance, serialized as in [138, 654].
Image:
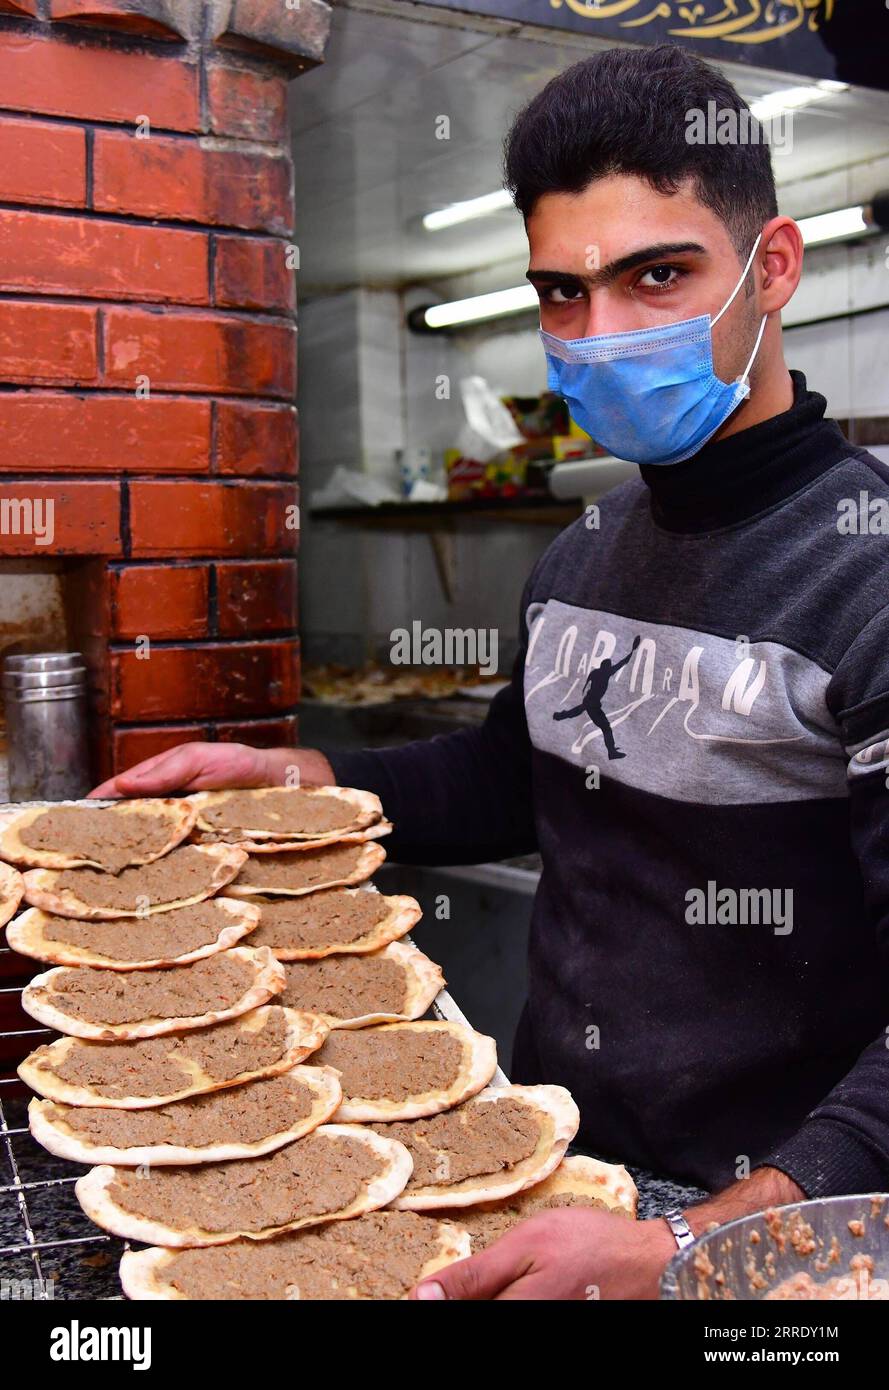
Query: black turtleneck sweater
[696, 738]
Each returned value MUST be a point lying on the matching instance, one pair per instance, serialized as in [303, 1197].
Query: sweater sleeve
[843, 1144]
[460, 798]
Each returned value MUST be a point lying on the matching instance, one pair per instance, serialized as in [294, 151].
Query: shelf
[540, 511]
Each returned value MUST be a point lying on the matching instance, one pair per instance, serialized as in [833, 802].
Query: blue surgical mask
[650, 395]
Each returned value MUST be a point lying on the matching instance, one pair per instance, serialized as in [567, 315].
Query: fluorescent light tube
[794, 99]
[833, 226]
[468, 210]
[482, 306]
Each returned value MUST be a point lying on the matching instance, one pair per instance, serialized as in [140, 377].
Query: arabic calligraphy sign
[847, 40]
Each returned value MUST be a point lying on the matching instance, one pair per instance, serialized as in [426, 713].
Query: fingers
[107, 791]
[483, 1276]
[172, 770]
[539, 1287]
[192, 767]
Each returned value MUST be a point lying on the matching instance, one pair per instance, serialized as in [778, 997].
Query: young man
[708, 952]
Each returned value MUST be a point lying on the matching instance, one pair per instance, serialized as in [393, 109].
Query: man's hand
[587, 1253]
[568, 1253]
[196, 767]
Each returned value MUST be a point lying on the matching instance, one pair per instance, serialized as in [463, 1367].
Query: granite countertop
[87, 1269]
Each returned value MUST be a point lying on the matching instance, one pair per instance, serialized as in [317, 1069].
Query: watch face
[680, 1228]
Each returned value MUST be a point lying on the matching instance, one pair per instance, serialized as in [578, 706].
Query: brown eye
[659, 277]
[563, 294]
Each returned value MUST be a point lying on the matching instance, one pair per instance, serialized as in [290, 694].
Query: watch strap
[682, 1232]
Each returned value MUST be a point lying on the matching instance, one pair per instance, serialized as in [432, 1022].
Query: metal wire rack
[84, 1263]
[33, 1252]
[48, 1247]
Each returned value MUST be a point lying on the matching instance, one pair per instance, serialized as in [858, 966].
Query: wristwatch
[680, 1228]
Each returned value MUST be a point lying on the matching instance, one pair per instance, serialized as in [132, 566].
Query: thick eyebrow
[607, 274]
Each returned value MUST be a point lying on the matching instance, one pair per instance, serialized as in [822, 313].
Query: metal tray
[748, 1257]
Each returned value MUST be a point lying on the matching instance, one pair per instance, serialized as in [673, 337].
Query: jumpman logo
[593, 693]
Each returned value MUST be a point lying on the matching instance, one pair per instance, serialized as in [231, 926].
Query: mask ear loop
[742, 379]
[740, 282]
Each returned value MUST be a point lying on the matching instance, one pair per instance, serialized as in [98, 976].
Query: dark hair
[625, 111]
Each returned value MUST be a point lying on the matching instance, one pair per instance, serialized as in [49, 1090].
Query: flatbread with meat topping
[101, 1004]
[234, 837]
[397, 1071]
[136, 1075]
[336, 1172]
[579, 1181]
[287, 813]
[291, 873]
[379, 1256]
[176, 937]
[63, 836]
[497, 1143]
[188, 874]
[12, 890]
[239, 1122]
[394, 985]
[337, 921]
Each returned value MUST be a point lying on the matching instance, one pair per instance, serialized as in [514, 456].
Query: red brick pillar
[147, 349]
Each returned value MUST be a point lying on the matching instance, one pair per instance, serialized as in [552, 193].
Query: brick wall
[148, 349]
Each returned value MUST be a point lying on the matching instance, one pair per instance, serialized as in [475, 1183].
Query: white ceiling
[368, 163]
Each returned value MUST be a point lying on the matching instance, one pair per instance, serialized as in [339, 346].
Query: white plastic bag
[489, 429]
[346, 486]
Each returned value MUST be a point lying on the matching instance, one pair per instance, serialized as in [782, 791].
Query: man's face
[620, 256]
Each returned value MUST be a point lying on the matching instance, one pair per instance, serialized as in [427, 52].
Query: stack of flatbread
[245, 1059]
